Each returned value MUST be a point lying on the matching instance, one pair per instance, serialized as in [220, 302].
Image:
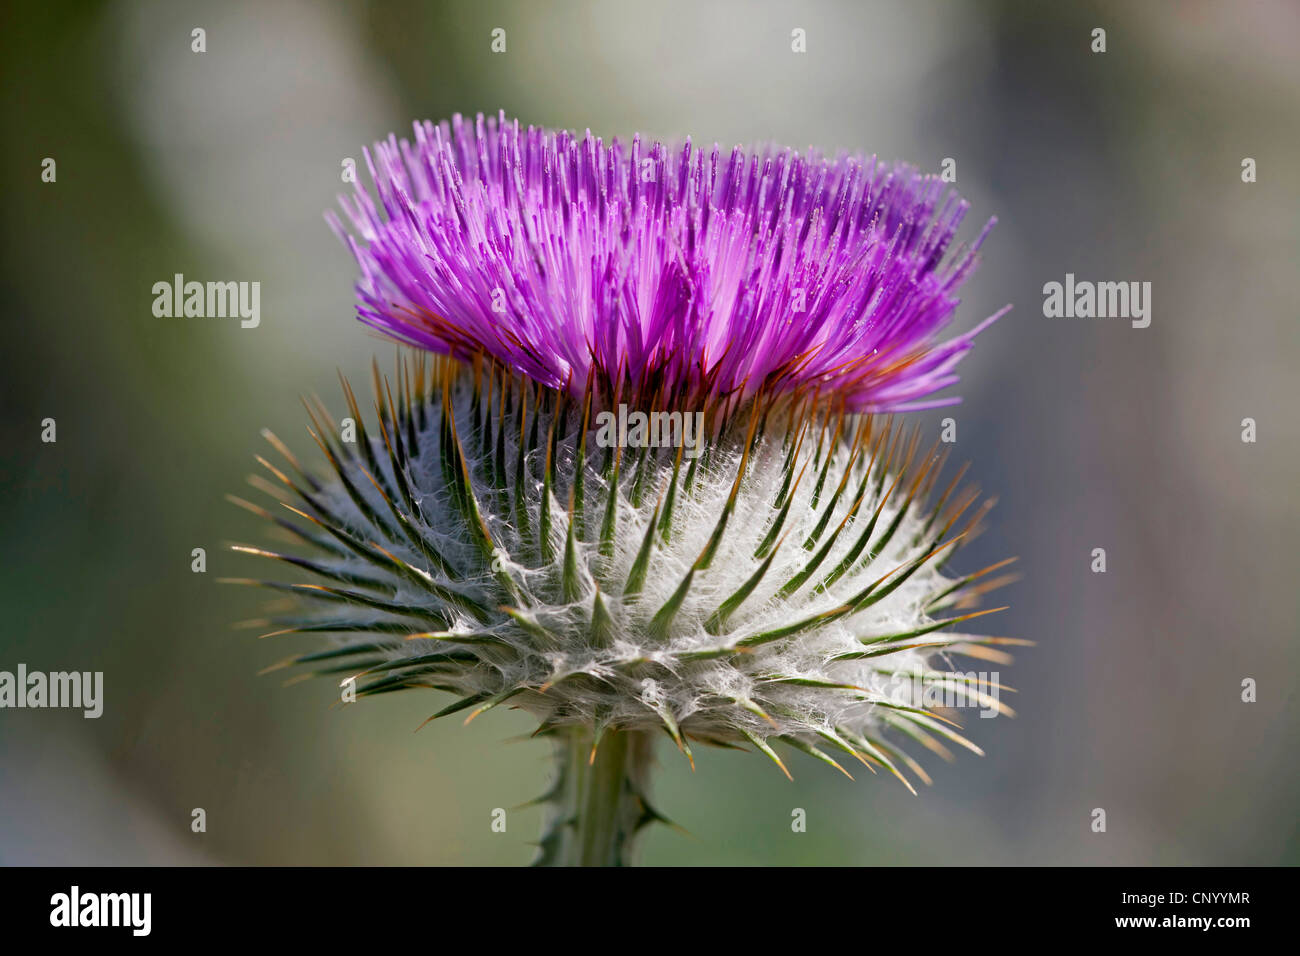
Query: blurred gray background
[1117, 166]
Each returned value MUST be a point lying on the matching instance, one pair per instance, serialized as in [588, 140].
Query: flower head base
[784, 587]
[687, 273]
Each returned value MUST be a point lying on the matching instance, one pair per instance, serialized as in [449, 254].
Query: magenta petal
[566, 258]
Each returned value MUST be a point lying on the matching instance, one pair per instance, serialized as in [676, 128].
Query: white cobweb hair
[787, 586]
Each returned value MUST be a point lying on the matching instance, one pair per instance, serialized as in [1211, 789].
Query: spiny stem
[598, 803]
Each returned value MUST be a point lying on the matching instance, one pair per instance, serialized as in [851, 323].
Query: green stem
[598, 804]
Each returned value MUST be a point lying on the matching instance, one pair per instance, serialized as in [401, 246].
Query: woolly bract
[784, 588]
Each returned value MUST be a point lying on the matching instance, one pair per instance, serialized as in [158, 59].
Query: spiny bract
[773, 588]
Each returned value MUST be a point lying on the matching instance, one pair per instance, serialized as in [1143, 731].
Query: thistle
[778, 584]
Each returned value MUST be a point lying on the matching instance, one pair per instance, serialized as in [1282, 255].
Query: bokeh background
[1122, 166]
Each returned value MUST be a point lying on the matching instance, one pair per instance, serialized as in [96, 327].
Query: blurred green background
[1122, 166]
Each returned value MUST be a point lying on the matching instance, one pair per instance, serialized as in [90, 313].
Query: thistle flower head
[752, 562]
[661, 268]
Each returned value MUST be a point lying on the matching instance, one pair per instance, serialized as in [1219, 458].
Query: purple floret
[654, 269]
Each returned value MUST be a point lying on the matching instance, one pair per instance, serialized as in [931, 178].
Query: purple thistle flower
[495, 541]
[663, 269]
